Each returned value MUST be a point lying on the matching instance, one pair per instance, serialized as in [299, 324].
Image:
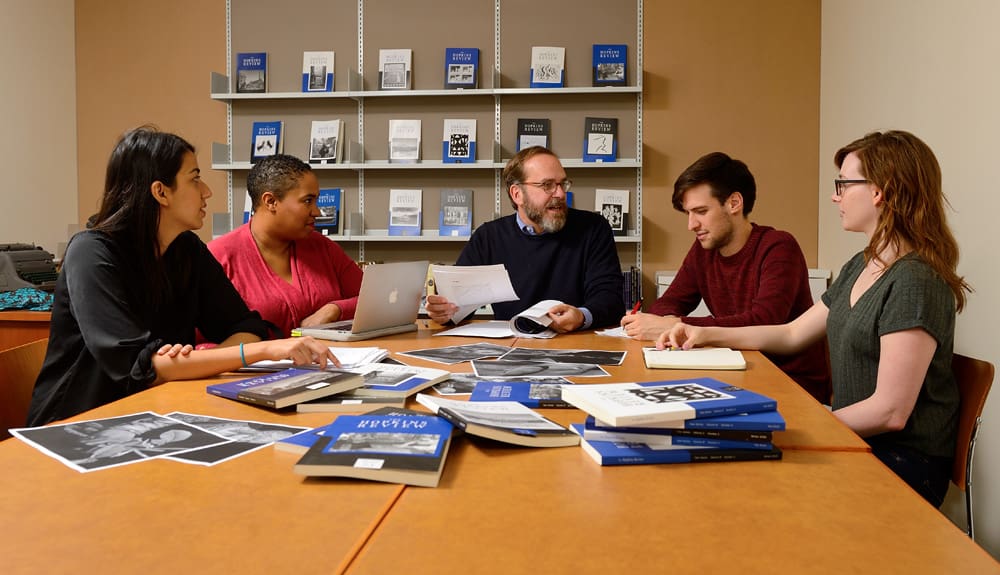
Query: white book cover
[405, 212]
[459, 141]
[613, 205]
[326, 141]
[395, 69]
[404, 141]
[317, 71]
[548, 64]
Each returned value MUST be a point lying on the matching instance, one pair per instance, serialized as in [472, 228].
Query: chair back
[974, 378]
[19, 367]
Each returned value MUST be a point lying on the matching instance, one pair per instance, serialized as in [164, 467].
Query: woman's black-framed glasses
[841, 185]
[549, 186]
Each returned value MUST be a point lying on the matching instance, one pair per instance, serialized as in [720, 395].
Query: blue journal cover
[658, 402]
[328, 203]
[534, 395]
[287, 387]
[265, 140]
[251, 72]
[461, 68]
[654, 436]
[610, 64]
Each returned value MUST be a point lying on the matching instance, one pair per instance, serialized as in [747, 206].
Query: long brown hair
[905, 169]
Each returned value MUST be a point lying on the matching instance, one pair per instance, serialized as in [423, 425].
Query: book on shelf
[458, 146]
[610, 65]
[329, 203]
[533, 132]
[658, 402]
[302, 441]
[758, 427]
[395, 69]
[317, 71]
[288, 387]
[506, 421]
[404, 141]
[455, 218]
[326, 142]
[600, 139]
[391, 380]
[391, 448]
[666, 438]
[548, 67]
[461, 68]
[615, 453]
[251, 72]
[349, 404]
[631, 286]
[721, 358]
[528, 394]
[405, 212]
[613, 205]
[266, 139]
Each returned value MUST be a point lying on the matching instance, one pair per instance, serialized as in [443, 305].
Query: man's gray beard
[550, 224]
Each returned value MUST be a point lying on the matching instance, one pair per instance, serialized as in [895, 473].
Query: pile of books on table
[679, 421]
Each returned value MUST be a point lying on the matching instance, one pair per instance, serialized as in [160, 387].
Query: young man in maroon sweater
[747, 274]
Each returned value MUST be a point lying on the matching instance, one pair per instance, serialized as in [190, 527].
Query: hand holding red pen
[638, 325]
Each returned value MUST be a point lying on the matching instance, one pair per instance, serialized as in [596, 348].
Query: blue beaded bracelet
[243, 358]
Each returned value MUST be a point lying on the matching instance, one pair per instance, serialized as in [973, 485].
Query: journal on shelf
[610, 65]
[408, 449]
[251, 72]
[455, 218]
[317, 71]
[330, 206]
[614, 206]
[395, 69]
[267, 139]
[458, 145]
[533, 132]
[461, 68]
[548, 67]
[621, 404]
[600, 139]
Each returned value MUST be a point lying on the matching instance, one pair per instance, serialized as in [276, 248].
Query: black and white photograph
[464, 383]
[595, 356]
[404, 216]
[512, 369]
[459, 353]
[243, 437]
[404, 149]
[613, 213]
[387, 378]
[545, 391]
[382, 442]
[323, 149]
[393, 75]
[102, 443]
[250, 80]
[458, 146]
[317, 77]
[461, 73]
[456, 215]
[598, 144]
[611, 72]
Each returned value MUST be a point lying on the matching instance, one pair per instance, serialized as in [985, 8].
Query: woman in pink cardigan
[284, 269]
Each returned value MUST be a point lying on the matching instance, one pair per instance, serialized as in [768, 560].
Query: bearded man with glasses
[550, 251]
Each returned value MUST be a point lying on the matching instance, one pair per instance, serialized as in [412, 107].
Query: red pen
[635, 309]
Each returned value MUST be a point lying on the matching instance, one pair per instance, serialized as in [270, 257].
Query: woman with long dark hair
[137, 284]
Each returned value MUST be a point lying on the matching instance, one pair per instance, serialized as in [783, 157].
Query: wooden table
[20, 327]
[499, 509]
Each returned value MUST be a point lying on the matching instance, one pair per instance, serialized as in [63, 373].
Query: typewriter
[26, 265]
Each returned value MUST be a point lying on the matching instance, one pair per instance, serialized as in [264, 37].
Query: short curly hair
[276, 174]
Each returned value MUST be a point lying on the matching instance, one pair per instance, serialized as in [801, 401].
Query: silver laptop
[388, 303]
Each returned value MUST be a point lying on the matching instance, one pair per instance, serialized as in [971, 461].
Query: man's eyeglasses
[841, 185]
[549, 186]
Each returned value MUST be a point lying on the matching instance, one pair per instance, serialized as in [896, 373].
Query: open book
[700, 358]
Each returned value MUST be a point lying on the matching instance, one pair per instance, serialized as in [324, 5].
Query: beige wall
[38, 115]
[928, 67]
[148, 62]
[738, 77]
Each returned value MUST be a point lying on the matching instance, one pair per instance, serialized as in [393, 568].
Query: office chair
[974, 378]
[19, 367]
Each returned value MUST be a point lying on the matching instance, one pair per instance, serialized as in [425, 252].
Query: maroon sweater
[765, 283]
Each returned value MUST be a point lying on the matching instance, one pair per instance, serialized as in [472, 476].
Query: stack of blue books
[678, 421]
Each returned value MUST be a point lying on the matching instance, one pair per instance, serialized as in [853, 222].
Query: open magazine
[533, 322]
